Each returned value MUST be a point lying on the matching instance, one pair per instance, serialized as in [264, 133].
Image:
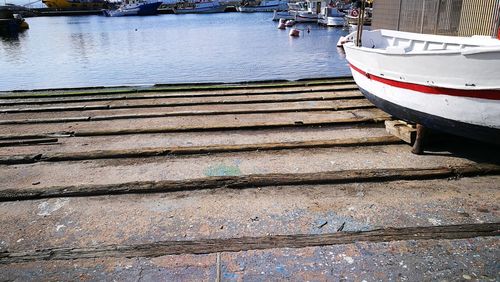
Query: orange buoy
[281, 24]
[294, 32]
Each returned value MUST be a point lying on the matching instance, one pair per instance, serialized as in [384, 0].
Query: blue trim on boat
[149, 9]
[467, 130]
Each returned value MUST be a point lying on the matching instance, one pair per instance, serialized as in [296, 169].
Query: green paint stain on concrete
[223, 170]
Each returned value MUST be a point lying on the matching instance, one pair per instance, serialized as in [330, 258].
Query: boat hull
[306, 18]
[286, 15]
[257, 9]
[76, 4]
[10, 26]
[149, 9]
[475, 116]
[331, 21]
[207, 10]
[480, 133]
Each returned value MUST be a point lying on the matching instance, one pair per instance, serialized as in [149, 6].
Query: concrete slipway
[236, 182]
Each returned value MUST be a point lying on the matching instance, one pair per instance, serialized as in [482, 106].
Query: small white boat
[445, 83]
[286, 15]
[311, 14]
[293, 8]
[264, 6]
[202, 7]
[331, 16]
[306, 17]
[135, 8]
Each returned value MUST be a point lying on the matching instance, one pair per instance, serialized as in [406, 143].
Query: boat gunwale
[467, 45]
[467, 51]
[469, 40]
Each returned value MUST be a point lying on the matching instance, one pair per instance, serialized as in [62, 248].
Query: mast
[361, 20]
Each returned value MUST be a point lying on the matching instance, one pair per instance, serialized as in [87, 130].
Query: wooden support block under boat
[401, 129]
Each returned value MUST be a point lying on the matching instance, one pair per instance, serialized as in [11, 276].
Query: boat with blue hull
[135, 8]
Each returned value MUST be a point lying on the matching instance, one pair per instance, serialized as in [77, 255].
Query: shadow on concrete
[443, 144]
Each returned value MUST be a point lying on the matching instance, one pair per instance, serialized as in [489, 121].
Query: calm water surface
[95, 50]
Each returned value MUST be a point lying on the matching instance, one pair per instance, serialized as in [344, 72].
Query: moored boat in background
[286, 15]
[76, 4]
[293, 8]
[311, 14]
[135, 8]
[202, 7]
[331, 16]
[306, 17]
[11, 22]
[445, 83]
[263, 6]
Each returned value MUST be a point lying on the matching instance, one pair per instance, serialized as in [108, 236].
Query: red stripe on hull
[481, 94]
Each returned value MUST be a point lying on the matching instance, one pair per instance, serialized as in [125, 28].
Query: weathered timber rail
[192, 150]
[27, 142]
[349, 105]
[249, 181]
[198, 181]
[296, 119]
[256, 243]
[100, 97]
[244, 99]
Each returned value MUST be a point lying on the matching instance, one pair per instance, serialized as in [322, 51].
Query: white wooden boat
[445, 83]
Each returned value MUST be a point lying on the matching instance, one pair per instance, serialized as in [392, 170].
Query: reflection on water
[12, 42]
[94, 50]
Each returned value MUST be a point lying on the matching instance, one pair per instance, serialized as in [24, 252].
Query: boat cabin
[314, 6]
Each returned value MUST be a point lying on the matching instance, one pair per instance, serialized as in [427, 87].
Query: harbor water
[227, 47]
